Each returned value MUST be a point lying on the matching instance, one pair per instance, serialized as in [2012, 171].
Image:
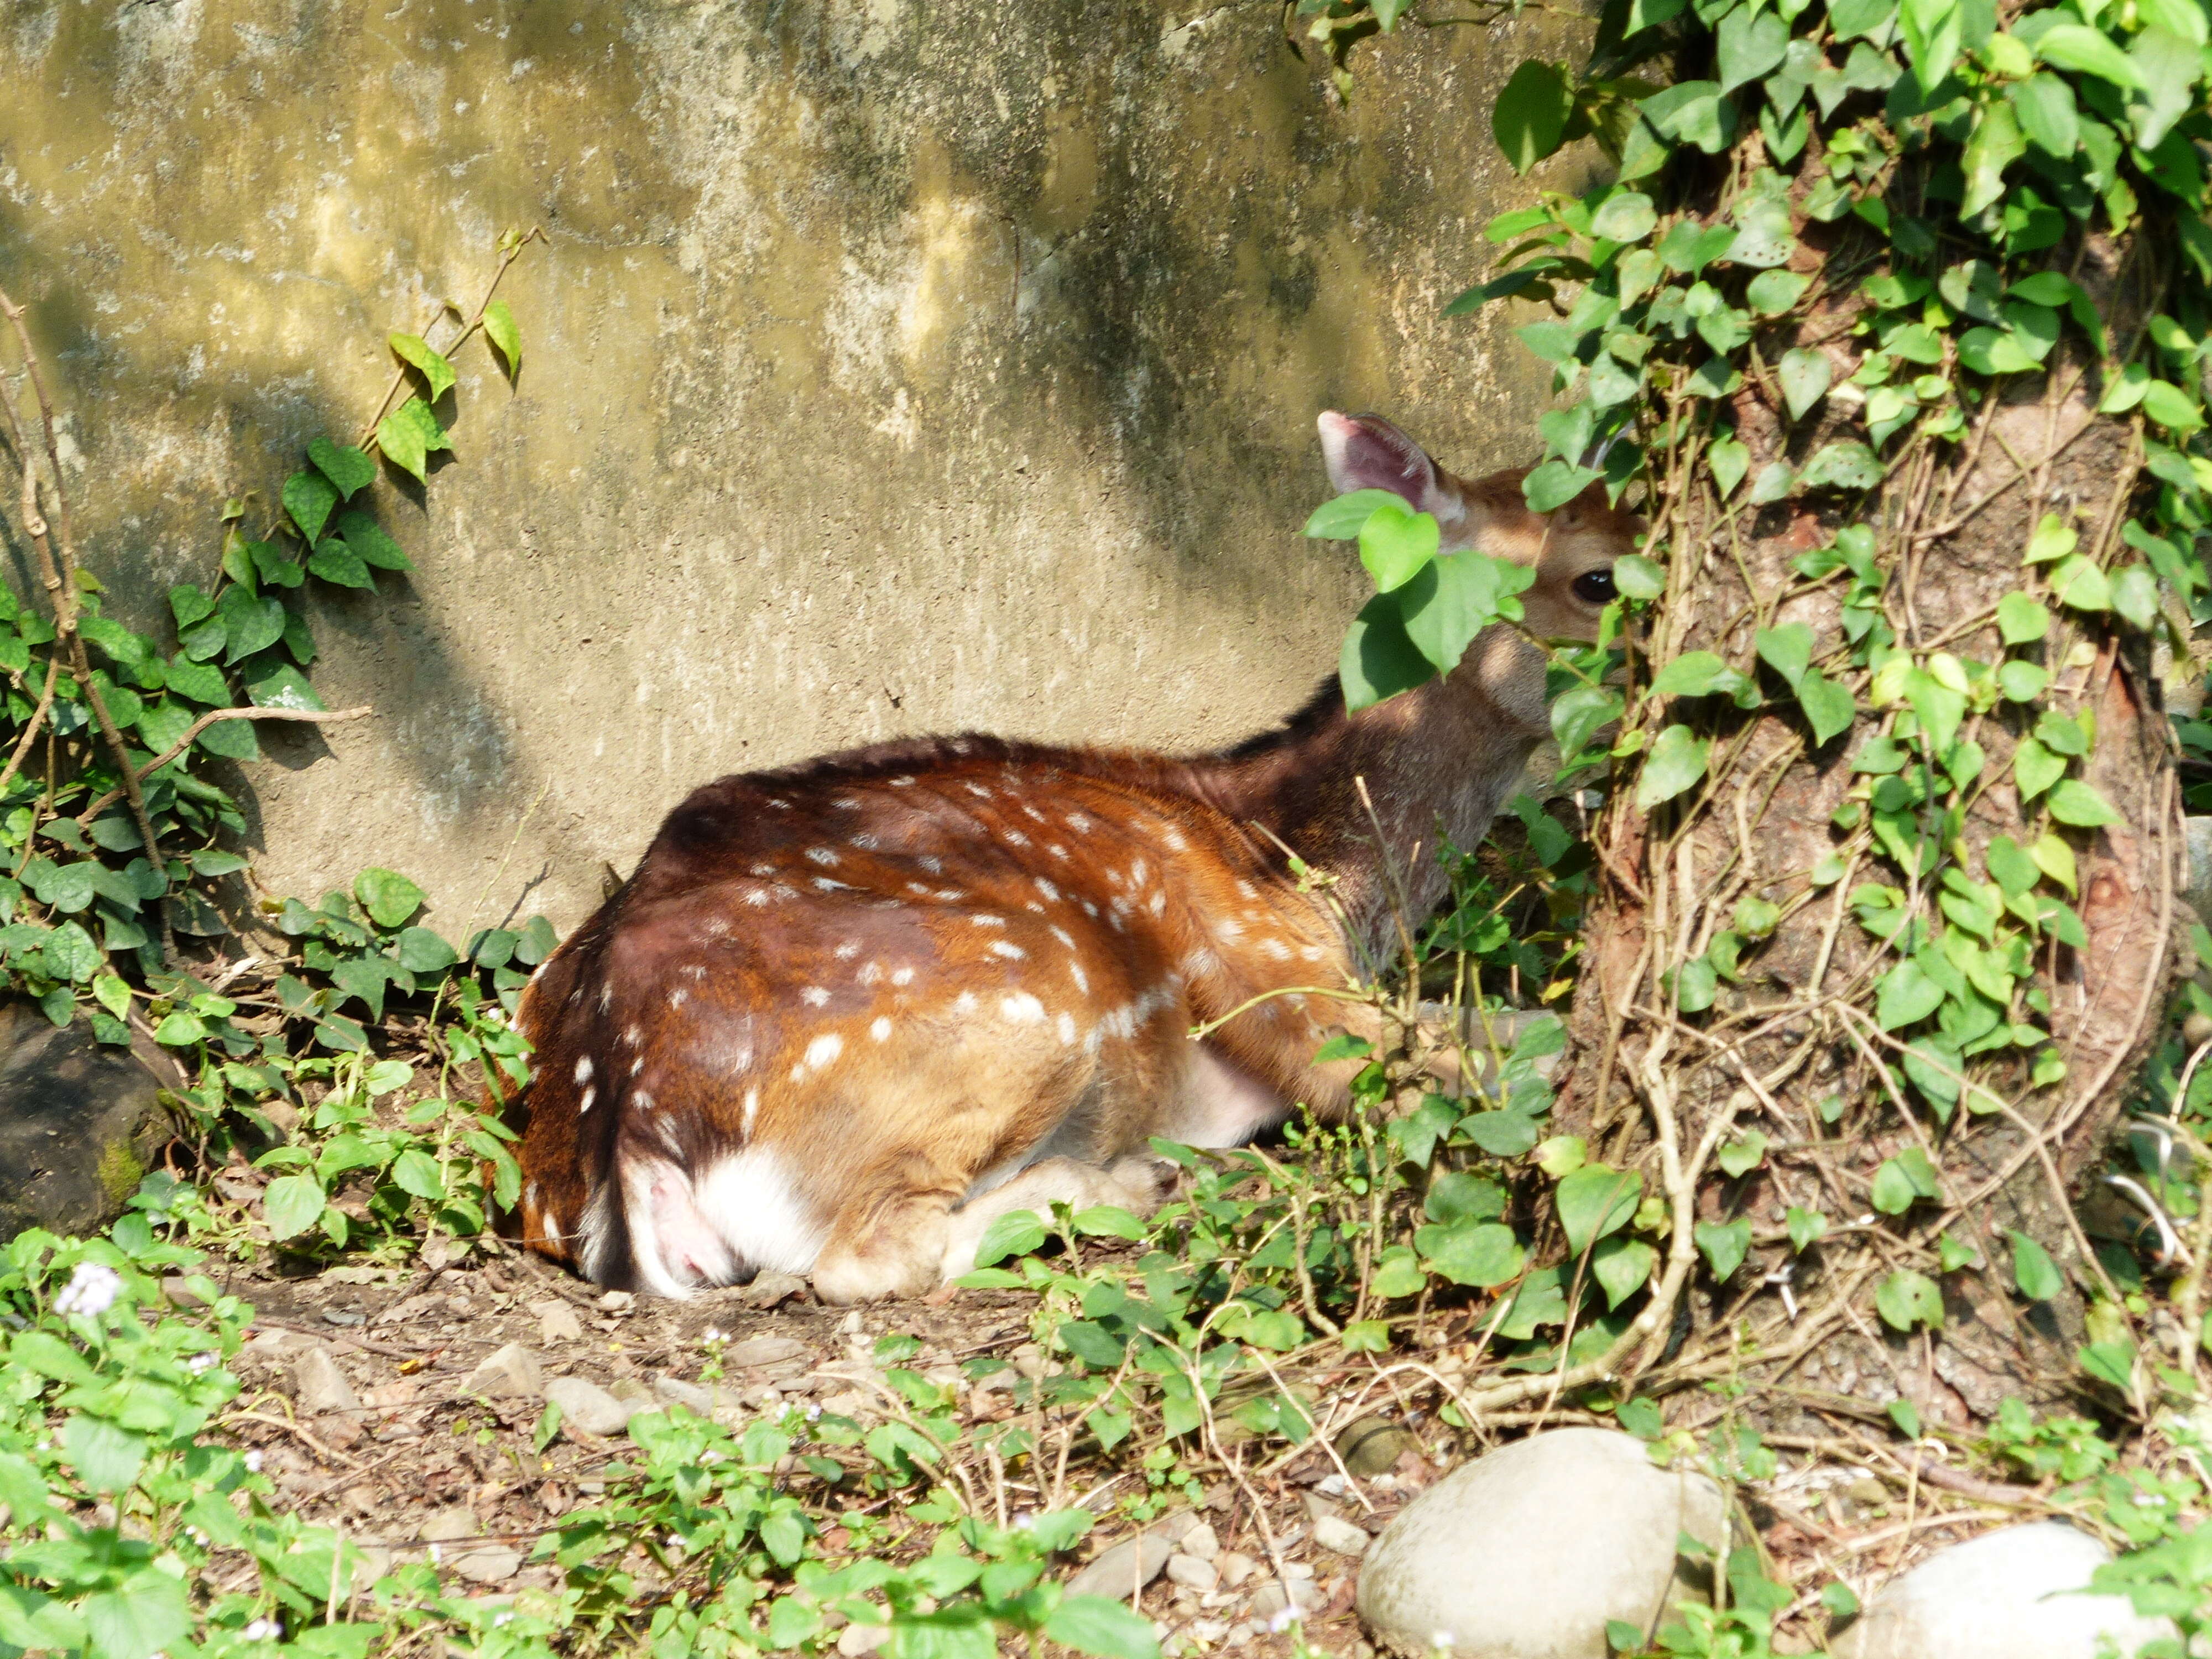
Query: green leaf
[1676, 761]
[1906, 995]
[1555, 483]
[348, 468]
[292, 1205]
[1017, 1232]
[1773, 292]
[1893, 1191]
[1626, 215]
[1724, 1244]
[2053, 539]
[1996, 145]
[1788, 650]
[417, 1172]
[2033, 1269]
[2071, 45]
[1636, 577]
[1394, 542]
[309, 497]
[409, 435]
[250, 624]
[1805, 376]
[389, 897]
[1805, 1226]
[2021, 619]
[2035, 768]
[422, 952]
[1931, 30]
[273, 682]
[370, 544]
[336, 563]
[2111, 1362]
[1595, 1200]
[113, 994]
[2023, 681]
[1452, 599]
[2044, 106]
[1530, 116]
[1751, 40]
[2134, 595]
[1729, 460]
[1827, 705]
[1339, 519]
[1379, 658]
[1845, 464]
[1907, 1298]
[1095, 1624]
[435, 369]
[1739, 1158]
[1482, 1254]
[106, 1456]
[1622, 1267]
[1695, 674]
[2172, 408]
[1987, 351]
[138, 1617]
[499, 328]
[2074, 802]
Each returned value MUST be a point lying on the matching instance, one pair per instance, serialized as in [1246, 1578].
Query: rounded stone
[2013, 1594]
[1527, 1552]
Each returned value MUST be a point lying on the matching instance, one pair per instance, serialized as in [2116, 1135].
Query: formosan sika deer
[846, 1014]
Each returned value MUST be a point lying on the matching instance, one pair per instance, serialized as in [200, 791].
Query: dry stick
[318, 716]
[62, 584]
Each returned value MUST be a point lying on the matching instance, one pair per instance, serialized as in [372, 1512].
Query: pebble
[511, 1372]
[587, 1408]
[855, 1640]
[1201, 1541]
[1189, 1571]
[768, 1289]
[2011, 1594]
[1237, 1567]
[1340, 1537]
[322, 1386]
[700, 1399]
[1125, 1568]
[765, 1350]
[1527, 1552]
[557, 1322]
[1271, 1598]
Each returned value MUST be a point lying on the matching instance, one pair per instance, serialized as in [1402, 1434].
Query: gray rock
[587, 1408]
[1373, 1445]
[79, 1122]
[699, 1399]
[2002, 1596]
[2197, 833]
[1125, 1569]
[765, 1350]
[1201, 1541]
[557, 1321]
[1237, 1567]
[322, 1386]
[1525, 1553]
[1192, 1572]
[1340, 1537]
[856, 1640]
[1271, 1599]
[511, 1372]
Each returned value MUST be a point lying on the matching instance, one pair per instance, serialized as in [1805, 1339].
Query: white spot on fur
[822, 883]
[965, 1003]
[677, 1000]
[1008, 949]
[931, 863]
[1175, 843]
[753, 1110]
[1065, 1025]
[779, 803]
[584, 1069]
[1082, 979]
[1013, 837]
[865, 844]
[823, 1049]
[695, 970]
[870, 973]
[902, 976]
[846, 803]
[1064, 937]
[1057, 850]
[814, 996]
[1158, 902]
[640, 1099]
[582, 1106]
[823, 856]
[985, 920]
[1088, 908]
[1229, 928]
[763, 869]
[637, 1065]
[1079, 823]
[880, 1029]
[951, 893]
[633, 1036]
[606, 994]
[1313, 953]
[848, 951]
[1246, 889]
[920, 887]
[757, 896]
[1137, 873]
[1046, 887]
[1274, 949]
[1032, 813]
[1021, 1009]
[979, 792]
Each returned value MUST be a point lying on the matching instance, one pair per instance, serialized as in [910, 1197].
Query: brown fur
[861, 983]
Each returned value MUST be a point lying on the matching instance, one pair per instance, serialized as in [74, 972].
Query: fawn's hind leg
[1136, 1183]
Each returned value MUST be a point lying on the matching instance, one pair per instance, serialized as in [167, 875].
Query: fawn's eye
[1594, 586]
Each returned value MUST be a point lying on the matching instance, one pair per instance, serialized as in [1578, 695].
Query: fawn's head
[1573, 547]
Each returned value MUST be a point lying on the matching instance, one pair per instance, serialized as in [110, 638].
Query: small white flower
[1279, 1622]
[92, 1290]
[436, 1555]
[200, 1364]
[813, 1411]
[253, 1463]
[712, 1335]
[1441, 1639]
[262, 1630]
[504, 1616]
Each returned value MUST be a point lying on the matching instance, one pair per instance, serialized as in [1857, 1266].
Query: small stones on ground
[1202, 1542]
[633, 1392]
[764, 1350]
[1270, 1599]
[618, 1301]
[1340, 1537]
[557, 1322]
[322, 1385]
[1237, 1567]
[2012, 1594]
[1192, 1573]
[1122, 1570]
[587, 1408]
[770, 1289]
[699, 1399]
[1570, 1528]
[509, 1373]
[855, 1640]
[487, 1563]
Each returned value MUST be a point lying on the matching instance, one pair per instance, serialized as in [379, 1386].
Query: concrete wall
[889, 366]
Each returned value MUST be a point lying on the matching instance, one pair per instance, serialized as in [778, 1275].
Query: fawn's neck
[1438, 762]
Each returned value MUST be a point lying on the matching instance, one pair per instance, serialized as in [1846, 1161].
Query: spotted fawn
[845, 1014]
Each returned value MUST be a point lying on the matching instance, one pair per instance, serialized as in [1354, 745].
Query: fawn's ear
[1365, 452]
